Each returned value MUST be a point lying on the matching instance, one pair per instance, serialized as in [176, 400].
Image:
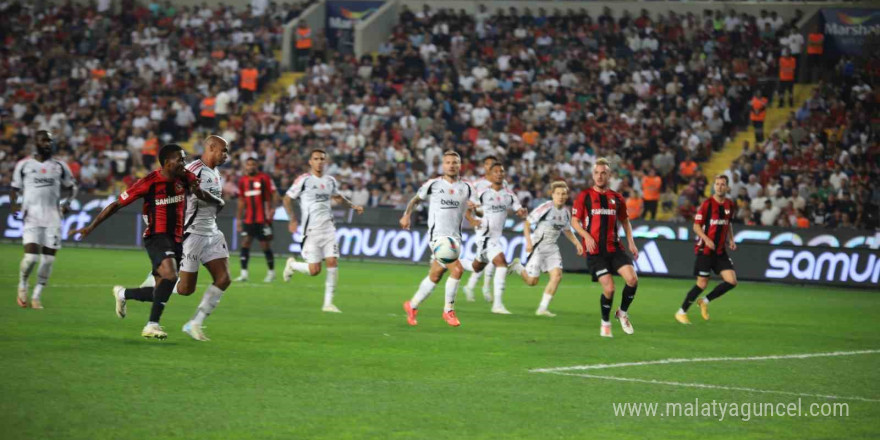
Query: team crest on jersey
[257, 184]
[613, 202]
[178, 187]
[726, 212]
[43, 170]
[322, 186]
[451, 191]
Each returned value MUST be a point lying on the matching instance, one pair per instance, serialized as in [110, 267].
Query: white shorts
[487, 249]
[541, 261]
[49, 237]
[318, 246]
[200, 249]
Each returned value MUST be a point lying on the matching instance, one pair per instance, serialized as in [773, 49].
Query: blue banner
[851, 31]
[341, 18]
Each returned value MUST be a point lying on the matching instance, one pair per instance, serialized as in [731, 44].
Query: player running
[550, 219]
[597, 211]
[481, 185]
[495, 200]
[712, 224]
[314, 191]
[256, 208]
[164, 192]
[204, 242]
[451, 200]
[40, 179]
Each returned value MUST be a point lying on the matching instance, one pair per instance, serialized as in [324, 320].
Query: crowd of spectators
[545, 91]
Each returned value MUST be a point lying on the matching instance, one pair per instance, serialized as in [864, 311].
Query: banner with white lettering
[852, 31]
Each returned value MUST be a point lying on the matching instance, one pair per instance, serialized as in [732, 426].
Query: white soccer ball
[446, 249]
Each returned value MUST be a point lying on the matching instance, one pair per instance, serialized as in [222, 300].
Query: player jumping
[712, 226]
[495, 200]
[40, 179]
[164, 192]
[597, 211]
[451, 200]
[256, 208]
[314, 191]
[551, 219]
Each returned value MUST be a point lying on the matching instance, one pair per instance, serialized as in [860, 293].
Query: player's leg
[188, 276]
[729, 282]
[631, 283]
[477, 268]
[312, 252]
[549, 292]
[219, 270]
[452, 281]
[488, 275]
[330, 284]
[266, 244]
[605, 301]
[531, 272]
[47, 259]
[245, 256]
[435, 273]
[500, 280]
[31, 238]
[692, 295]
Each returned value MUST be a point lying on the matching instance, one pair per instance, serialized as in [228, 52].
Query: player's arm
[288, 207]
[576, 219]
[469, 214]
[68, 184]
[16, 186]
[194, 186]
[573, 239]
[628, 230]
[730, 243]
[527, 233]
[406, 218]
[698, 228]
[13, 200]
[106, 213]
[472, 205]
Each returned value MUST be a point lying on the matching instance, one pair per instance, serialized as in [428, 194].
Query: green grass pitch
[277, 367]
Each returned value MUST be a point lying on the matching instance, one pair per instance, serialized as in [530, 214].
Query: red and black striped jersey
[164, 202]
[714, 217]
[256, 191]
[599, 214]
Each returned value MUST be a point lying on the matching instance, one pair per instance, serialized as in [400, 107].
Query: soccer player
[451, 200]
[480, 185]
[164, 192]
[203, 242]
[597, 212]
[712, 226]
[40, 179]
[314, 191]
[550, 219]
[256, 208]
[495, 201]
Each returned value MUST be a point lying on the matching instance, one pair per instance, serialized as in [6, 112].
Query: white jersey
[549, 222]
[40, 184]
[447, 205]
[483, 183]
[201, 216]
[314, 195]
[495, 205]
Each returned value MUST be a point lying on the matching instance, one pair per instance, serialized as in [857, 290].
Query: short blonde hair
[602, 161]
[451, 153]
[557, 185]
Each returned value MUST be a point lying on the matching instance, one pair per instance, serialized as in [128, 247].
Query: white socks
[681, 311]
[451, 290]
[500, 277]
[488, 272]
[330, 284]
[425, 289]
[244, 273]
[474, 279]
[27, 265]
[545, 301]
[209, 301]
[300, 267]
[43, 273]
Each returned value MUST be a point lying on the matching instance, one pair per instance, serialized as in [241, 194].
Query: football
[446, 249]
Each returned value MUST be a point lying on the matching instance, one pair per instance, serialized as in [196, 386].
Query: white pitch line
[717, 387]
[712, 359]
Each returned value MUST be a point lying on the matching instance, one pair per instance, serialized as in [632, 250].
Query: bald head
[216, 151]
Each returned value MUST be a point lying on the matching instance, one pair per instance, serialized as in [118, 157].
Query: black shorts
[160, 247]
[705, 264]
[259, 231]
[608, 263]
